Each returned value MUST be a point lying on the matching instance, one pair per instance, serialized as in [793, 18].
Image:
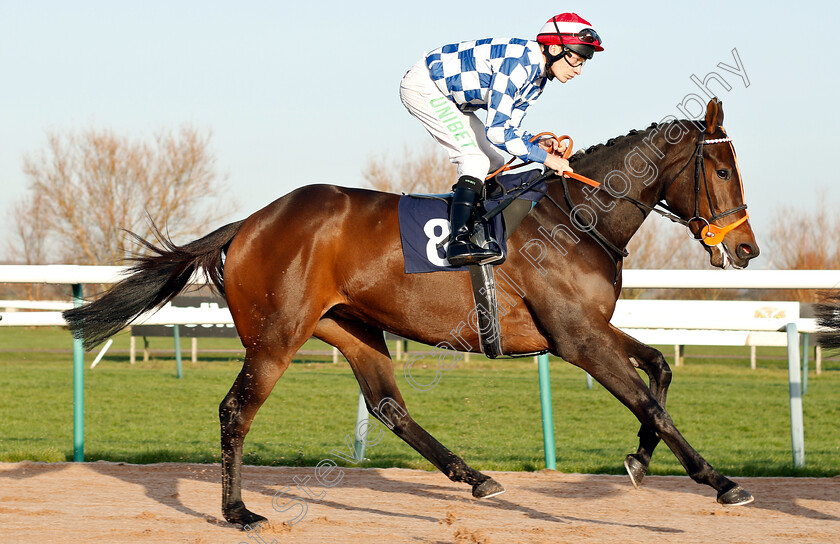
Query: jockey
[502, 76]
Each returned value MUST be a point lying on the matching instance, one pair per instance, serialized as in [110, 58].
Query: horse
[326, 261]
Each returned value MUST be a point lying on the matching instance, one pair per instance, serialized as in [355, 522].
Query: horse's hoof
[244, 517]
[488, 488]
[635, 469]
[735, 497]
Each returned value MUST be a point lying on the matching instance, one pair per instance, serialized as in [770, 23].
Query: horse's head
[709, 194]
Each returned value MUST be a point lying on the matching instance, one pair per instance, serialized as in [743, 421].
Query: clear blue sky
[306, 92]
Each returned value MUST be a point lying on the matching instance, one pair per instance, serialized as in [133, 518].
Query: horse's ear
[714, 115]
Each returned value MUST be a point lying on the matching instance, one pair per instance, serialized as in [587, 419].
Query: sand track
[173, 503]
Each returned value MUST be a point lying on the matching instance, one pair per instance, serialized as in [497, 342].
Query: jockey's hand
[558, 164]
[553, 147]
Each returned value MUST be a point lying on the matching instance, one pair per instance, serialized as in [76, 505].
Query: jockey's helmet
[573, 33]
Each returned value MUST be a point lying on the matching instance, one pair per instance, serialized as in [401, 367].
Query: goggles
[587, 35]
[570, 55]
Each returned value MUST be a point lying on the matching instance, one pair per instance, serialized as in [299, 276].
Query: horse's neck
[651, 165]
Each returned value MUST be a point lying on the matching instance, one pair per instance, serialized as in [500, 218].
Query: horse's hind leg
[365, 349]
[603, 356]
[653, 363]
[261, 370]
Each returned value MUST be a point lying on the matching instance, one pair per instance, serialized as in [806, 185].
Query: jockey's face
[567, 67]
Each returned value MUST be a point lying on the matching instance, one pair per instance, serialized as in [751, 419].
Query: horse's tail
[153, 281]
[828, 319]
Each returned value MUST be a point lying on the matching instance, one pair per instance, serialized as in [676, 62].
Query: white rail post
[102, 353]
[679, 354]
[361, 417]
[797, 432]
[818, 359]
[805, 348]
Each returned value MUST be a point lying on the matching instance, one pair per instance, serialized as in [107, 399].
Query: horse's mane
[594, 149]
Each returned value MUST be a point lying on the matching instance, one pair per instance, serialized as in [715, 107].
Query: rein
[708, 234]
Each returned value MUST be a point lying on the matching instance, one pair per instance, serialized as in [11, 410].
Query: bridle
[708, 234]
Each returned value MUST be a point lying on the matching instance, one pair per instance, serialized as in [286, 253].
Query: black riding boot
[462, 250]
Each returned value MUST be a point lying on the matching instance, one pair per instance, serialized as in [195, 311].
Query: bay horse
[326, 261]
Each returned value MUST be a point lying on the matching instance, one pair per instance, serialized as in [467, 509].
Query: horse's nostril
[746, 251]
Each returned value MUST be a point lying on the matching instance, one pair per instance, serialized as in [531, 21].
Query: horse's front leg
[653, 363]
[601, 352]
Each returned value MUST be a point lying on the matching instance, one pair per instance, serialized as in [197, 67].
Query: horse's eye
[723, 174]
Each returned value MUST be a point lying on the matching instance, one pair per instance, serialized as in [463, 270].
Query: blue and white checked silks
[503, 76]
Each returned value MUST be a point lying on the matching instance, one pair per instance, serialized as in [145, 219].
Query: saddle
[424, 232]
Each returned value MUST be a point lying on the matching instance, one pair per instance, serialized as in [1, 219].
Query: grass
[486, 411]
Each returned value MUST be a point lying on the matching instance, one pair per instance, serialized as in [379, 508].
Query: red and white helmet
[573, 32]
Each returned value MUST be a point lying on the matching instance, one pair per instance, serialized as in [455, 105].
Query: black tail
[154, 280]
[828, 318]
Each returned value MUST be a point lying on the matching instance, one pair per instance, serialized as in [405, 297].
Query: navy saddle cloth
[424, 223]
